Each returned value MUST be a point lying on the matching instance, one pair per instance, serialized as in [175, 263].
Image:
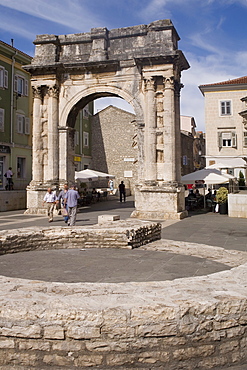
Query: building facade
[15, 117]
[226, 135]
[83, 138]
[114, 145]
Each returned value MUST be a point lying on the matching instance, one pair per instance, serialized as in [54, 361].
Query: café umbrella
[205, 176]
[93, 173]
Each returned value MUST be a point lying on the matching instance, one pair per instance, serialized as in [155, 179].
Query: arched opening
[104, 137]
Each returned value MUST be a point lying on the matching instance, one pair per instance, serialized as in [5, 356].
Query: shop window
[21, 162]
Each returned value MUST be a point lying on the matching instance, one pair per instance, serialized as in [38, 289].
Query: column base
[35, 195]
[159, 201]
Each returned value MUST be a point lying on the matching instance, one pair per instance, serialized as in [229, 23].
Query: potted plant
[241, 181]
[221, 199]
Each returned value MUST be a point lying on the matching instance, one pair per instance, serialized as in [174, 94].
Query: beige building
[226, 135]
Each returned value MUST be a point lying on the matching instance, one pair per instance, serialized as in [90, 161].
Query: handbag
[64, 212]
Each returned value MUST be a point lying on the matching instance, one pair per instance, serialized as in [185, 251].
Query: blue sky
[213, 33]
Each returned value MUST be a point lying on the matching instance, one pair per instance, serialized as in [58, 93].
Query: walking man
[122, 191]
[60, 201]
[70, 199]
[9, 174]
[50, 200]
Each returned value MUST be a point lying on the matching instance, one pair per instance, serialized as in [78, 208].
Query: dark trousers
[122, 196]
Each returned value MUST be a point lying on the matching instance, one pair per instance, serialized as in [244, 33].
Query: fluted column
[37, 145]
[170, 131]
[53, 145]
[150, 131]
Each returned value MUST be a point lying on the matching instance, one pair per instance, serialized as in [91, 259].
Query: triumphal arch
[141, 64]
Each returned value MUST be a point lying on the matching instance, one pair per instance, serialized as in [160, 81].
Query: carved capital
[169, 82]
[149, 84]
[53, 91]
[37, 92]
[245, 122]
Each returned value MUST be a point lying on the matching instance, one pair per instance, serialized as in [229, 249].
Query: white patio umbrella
[85, 177]
[208, 176]
[100, 175]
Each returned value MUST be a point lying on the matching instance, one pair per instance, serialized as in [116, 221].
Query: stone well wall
[193, 322]
[197, 322]
[117, 234]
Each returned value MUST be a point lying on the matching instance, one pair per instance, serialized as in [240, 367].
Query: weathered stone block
[54, 332]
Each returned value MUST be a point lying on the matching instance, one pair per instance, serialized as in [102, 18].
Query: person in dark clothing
[122, 192]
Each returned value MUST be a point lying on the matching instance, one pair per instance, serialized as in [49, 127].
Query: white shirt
[9, 174]
[50, 197]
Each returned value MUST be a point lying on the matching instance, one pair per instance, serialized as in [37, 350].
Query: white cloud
[70, 13]
[16, 28]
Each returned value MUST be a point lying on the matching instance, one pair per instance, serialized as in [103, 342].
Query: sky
[213, 34]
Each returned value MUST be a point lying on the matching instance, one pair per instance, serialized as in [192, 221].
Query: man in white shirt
[9, 174]
[50, 200]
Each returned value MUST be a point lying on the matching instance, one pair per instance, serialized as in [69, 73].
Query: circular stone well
[192, 322]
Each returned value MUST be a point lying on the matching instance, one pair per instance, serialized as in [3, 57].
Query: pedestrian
[122, 192]
[50, 200]
[71, 199]
[111, 186]
[60, 201]
[9, 174]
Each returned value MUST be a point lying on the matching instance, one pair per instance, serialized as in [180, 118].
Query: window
[76, 138]
[86, 112]
[21, 85]
[227, 139]
[245, 139]
[1, 120]
[23, 124]
[85, 139]
[225, 108]
[3, 78]
[21, 162]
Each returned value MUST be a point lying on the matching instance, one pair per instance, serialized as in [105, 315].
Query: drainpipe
[12, 104]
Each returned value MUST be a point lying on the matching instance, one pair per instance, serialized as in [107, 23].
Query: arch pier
[141, 64]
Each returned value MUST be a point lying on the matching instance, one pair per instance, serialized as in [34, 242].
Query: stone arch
[92, 93]
[141, 64]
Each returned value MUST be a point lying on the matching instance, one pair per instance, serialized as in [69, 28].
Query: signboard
[4, 149]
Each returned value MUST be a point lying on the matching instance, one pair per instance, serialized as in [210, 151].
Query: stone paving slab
[104, 265]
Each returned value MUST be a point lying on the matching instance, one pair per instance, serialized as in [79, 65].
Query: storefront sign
[4, 149]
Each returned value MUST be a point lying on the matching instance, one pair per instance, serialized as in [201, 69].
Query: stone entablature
[140, 64]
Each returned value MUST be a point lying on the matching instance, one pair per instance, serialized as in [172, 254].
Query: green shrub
[241, 180]
[221, 196]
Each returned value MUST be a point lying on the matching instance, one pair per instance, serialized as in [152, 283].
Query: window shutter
[1, 119]
[5, 79]
[220, 139]
[234, 140]
[19, 122]
[245, 140]
[27, 126]
[15, 83]
[26, 88]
